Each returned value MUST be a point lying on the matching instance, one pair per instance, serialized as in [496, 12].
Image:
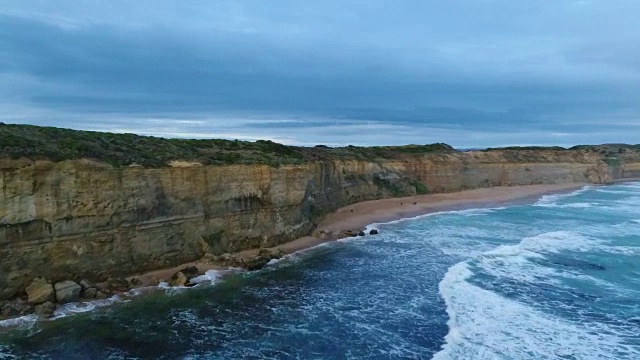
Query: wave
[22, 322]
[616, 192]
[485, 325]
[209, 277]
[553, 198]
[465, 212]
[579, 205]
[5, 355]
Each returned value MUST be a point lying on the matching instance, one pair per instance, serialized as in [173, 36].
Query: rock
[373, 232]
[90, 293]
[67, 291]
[178, 279]
[135, 282]
[102, 295]
[85, 284]
[40, 291]
[16, 307]
[257, 263]
[119, 284]
[361, 233]
[226, 259]
[190, 271]
[45, 310]
[348, 233]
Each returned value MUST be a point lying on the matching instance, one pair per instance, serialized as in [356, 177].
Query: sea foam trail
[483, 324]
[554, 198]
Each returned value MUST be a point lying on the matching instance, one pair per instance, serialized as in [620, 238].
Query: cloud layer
[469, 73]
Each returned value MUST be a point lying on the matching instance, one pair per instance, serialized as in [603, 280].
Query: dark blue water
[559, 279]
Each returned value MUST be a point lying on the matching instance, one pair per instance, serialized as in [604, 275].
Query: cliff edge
[86, 205]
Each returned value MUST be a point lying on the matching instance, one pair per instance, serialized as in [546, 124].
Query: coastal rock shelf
[87, 219]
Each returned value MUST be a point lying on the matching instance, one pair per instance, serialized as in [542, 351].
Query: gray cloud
[470, 73]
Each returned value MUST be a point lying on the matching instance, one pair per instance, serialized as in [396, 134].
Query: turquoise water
[558, 279]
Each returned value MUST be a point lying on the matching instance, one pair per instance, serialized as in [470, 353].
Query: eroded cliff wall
[84, 219]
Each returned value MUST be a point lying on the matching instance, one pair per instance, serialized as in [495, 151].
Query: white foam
[553, 198]
[210, 276]
[22, 322]
[85, 306]
[465, 212]
[631, 185]
[4, 355]
[617, 192]
[484, 325]
[569, 206]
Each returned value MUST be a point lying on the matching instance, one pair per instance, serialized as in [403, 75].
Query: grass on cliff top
[56, 144]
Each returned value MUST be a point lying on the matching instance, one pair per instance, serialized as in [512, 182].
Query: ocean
[558, 278]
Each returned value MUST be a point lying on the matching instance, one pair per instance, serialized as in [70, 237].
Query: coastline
[357, 216]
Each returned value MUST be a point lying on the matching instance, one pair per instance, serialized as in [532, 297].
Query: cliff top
[56, 144]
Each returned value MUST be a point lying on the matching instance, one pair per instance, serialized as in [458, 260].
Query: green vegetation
[612, 161]
[421, 188]
[36, 142]
[393, 188]
[126, 149]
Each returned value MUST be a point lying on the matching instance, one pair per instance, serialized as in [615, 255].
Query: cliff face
[84, 219]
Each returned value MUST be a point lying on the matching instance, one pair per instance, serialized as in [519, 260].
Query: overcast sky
[471, 73]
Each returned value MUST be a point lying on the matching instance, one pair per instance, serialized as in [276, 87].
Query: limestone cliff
[83, 218]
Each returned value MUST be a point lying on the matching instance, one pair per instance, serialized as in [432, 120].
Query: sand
[359, 215]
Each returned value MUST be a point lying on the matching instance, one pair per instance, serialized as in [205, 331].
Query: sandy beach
[359, 215]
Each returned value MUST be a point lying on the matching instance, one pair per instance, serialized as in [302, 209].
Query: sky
[470, 73]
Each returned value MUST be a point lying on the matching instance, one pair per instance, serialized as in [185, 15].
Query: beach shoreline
[356, 217]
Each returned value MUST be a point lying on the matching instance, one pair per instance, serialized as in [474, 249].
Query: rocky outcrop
[82, 219]
[178, 279]
[15, 307]
[40, 291]
[67, 291]
[45, 310]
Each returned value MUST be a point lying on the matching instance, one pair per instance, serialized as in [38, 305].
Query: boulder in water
[373, 232]
[85, 284]
[119, 284]
[67, 291]
[257, 263]
[190, 271]
[178, 279]
[45, 310]
[102, 295]
[40, 291]
[361, 233]
[90, 293]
